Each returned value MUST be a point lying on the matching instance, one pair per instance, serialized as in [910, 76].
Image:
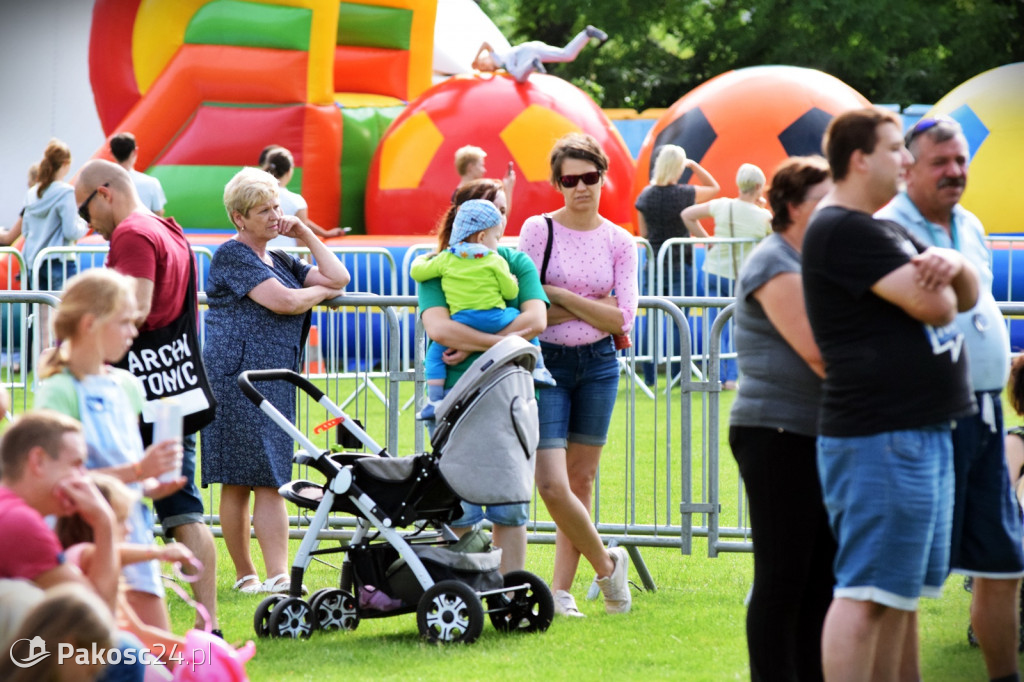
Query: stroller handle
[247, 378]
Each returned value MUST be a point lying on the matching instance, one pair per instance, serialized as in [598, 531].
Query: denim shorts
[500, 514]
[186, 505]
[890, 504]
[579, 408]
[986, 519]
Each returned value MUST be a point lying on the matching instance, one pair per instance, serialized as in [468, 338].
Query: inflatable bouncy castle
[206, 84]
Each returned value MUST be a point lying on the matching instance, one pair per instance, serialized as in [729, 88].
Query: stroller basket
[380, 566]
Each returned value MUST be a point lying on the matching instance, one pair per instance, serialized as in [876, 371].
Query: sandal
[245, 586]
[279, 584]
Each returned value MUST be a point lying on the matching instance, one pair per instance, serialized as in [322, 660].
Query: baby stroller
[483, 452]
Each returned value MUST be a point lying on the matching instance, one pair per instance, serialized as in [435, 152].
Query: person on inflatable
[523, 59]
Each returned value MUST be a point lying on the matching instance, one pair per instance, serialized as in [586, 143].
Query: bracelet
[138, 471]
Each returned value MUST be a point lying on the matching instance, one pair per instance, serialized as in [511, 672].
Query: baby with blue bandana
[476, 282]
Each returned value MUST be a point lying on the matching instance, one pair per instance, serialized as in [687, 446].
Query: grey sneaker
[594, 32]
[617, 598]
[565, 605]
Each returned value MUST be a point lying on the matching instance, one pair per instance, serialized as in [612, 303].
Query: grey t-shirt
[778, 389]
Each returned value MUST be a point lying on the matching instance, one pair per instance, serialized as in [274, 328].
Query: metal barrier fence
[653, 477]
[663, 478]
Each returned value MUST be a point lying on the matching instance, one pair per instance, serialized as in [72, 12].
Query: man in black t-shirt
[881, 306]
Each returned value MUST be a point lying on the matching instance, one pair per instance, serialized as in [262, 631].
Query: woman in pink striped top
[591, 279]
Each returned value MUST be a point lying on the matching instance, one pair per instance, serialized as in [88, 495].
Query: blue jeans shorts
[579, 408]
[186, 505]
[499, 514]
[986, 519]
[889, 498]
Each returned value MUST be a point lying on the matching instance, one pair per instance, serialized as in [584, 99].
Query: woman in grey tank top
[772, 434]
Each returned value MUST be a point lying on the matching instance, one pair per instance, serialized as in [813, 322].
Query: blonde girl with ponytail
[95, 325]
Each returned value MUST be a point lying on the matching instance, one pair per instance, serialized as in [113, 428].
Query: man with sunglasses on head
[986, 539]
[881, 306]
[155, 253]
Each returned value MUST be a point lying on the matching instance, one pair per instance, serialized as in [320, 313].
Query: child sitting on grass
[476, 283]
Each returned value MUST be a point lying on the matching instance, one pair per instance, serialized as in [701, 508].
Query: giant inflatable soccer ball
[412, 175]
[759, 115]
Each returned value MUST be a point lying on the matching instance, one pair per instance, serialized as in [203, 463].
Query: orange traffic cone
[314, 358]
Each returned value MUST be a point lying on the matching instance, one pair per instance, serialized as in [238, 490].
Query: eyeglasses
[926, 124]
[83, 208]
[570, 181]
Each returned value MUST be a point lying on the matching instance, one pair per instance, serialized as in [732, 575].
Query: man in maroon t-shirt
[154, 252]
[42, 456]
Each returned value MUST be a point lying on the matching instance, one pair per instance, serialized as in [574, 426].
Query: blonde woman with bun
[743, 217]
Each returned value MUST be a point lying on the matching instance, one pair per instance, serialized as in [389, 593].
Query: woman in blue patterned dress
[260, 301]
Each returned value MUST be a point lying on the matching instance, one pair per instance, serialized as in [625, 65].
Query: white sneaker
[617, 598]
[565, 605]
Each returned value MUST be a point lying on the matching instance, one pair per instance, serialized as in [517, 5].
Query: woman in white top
[741, 218]
[280, 163]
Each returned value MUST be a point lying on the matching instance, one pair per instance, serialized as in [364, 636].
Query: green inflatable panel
[362, 129]
[369, 26]
[250, 24]
[196, 194]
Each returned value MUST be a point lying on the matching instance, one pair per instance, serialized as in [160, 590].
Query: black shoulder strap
[547, 250]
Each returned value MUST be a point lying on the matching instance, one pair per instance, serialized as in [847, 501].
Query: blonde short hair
[249, 188]
[669, 164]
[749, 177]
[467, 155]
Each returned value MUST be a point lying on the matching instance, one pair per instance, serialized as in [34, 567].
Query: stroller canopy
[487, 427]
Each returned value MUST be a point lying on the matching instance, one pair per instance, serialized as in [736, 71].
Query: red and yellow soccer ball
[412, 175]
[759, 115]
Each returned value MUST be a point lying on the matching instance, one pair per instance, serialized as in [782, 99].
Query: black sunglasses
[83, 208]
[591, 178]
[926, 124]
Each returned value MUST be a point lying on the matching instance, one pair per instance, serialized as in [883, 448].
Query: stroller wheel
[261, 621]
[530, 608]
[318, 593]
[291, 617]
[450, 611]
[334, 609]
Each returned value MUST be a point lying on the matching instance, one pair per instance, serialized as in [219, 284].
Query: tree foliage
[900, 52]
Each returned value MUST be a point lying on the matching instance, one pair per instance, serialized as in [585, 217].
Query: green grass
[691, 628]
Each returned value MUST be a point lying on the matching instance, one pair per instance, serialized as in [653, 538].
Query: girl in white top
[95, 325]
[280, 163]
